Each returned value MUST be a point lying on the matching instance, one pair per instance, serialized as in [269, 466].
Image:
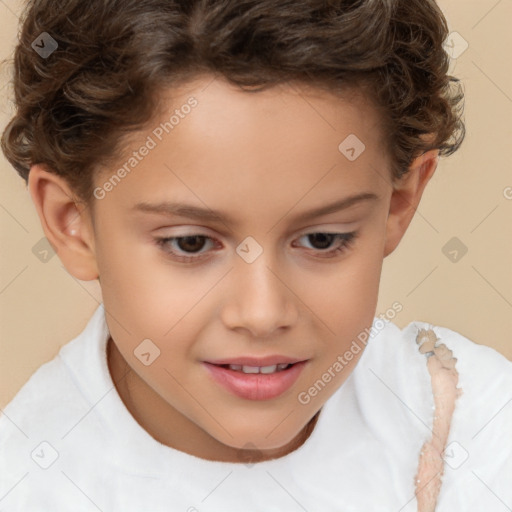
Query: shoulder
[484, 373]
[478, 453]
[31, 428]
[481, 363]
[44, 396]
[56, 386]
[484, 377]
[34, 426]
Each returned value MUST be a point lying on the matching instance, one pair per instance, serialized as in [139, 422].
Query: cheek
[348, 294]
[131, 273]
[146, 298]
[347, 304]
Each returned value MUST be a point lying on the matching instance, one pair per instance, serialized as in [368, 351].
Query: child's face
[262, 161]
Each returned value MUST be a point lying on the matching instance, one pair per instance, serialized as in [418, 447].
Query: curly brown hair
[114, 57]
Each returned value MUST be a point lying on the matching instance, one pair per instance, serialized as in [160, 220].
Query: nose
[259, 299]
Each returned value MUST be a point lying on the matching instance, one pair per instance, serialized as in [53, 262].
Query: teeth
[268, 369]
[258, 369]
[251, 369]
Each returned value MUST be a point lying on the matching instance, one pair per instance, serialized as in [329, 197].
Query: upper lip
[257, 361]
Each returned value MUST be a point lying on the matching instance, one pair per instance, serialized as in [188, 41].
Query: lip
[256, 386]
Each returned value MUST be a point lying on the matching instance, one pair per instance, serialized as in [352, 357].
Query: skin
[262, 158]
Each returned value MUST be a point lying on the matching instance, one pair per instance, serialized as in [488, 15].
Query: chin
[261, 441]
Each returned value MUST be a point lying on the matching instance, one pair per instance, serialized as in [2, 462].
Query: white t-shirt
[67, 441]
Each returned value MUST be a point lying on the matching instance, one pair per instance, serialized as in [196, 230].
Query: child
[292, 141]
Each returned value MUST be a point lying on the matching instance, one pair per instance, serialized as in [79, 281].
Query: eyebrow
[205, 214]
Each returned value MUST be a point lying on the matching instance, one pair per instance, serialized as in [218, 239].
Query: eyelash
[347, 240]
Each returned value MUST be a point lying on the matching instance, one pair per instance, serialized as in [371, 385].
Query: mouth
[256, 382]
[257, 369]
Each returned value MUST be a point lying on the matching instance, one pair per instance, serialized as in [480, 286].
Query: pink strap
[444, 378]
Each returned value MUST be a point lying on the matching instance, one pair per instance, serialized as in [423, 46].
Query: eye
[322, 241]
[191, 244]
[177, 246]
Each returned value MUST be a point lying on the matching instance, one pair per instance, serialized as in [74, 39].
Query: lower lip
[256, 386]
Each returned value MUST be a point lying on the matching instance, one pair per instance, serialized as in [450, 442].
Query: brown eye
[186, 249]
[191, 243]
[322, 241]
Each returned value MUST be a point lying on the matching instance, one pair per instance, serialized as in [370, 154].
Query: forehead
[295, 108]
[280, 113]
[216, 144]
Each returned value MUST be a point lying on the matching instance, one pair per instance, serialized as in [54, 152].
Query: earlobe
[406, 196]
[66, 222]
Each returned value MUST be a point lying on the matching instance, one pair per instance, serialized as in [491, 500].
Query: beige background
[42, 306]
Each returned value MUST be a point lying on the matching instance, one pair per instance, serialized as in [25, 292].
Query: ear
[66, 222]
[406, 196]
